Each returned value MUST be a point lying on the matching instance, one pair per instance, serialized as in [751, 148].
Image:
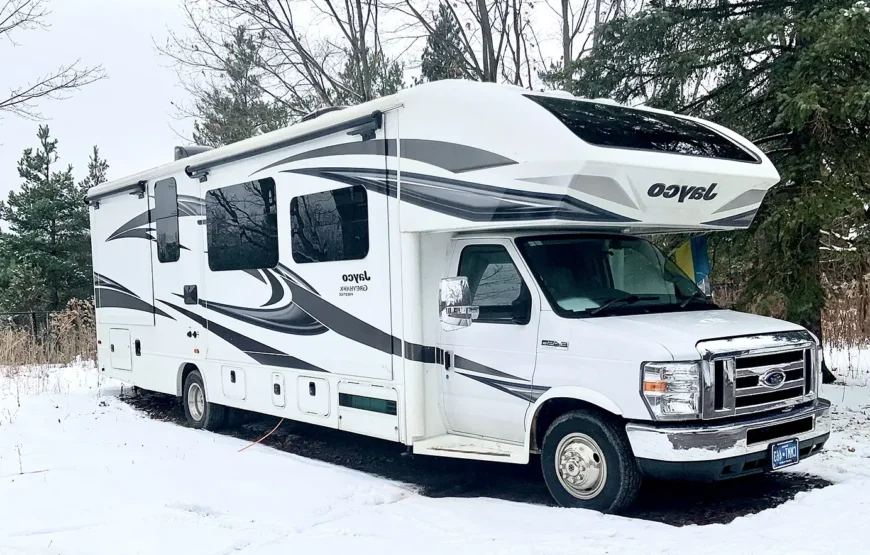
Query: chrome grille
[756, 374]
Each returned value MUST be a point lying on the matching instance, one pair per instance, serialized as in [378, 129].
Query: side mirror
[454, 304]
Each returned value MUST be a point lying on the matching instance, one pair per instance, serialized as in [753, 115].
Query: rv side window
[332, 225]
[242, 226]
[496, 285]
[166, 220]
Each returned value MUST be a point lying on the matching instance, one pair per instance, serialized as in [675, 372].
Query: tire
[581, 440]
[200, 414]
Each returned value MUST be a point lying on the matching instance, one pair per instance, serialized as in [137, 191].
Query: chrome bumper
[706, 442]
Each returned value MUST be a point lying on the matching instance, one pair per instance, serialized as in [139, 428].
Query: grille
[766, 375]
[751, 393]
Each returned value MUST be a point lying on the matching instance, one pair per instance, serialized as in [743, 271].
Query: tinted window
[242, 228]
[332, 225]
[496, 285]
[621, 127]
[165, 216]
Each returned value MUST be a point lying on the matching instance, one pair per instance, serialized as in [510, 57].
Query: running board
[461, 447]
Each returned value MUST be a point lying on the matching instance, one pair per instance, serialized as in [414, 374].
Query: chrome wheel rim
[196, 401]
[580, 466]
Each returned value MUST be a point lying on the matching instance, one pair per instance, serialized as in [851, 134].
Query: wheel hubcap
[196, 401]
[580, 466]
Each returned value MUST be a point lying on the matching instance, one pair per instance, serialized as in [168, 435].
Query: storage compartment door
[233, 382]
[278, 394]
[313, 395]
[119, 347]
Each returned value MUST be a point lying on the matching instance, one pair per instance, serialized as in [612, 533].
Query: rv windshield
[601, 275]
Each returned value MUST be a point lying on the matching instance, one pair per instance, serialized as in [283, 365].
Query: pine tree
[236, 109]
[46, 253]
[442, 55]
[793, 76]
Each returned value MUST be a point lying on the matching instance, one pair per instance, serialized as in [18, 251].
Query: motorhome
[463, 268]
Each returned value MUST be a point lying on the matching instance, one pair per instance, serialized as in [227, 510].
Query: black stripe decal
[138, 221]
[277, 290]
[740, 220]
[420, 353]
[102, 281]
[469, 201]
[526, 392]
[112, 298]
[465, 364]
[255, 274]
[341, 322]
[452, 157]
[260, 352]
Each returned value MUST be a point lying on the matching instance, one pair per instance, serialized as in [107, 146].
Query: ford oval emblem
[773, 379]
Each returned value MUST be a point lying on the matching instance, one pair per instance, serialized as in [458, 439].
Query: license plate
[785, 453]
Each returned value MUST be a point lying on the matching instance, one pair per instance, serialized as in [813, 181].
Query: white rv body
[358, 344]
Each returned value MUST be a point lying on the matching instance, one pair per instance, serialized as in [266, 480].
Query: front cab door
[487, 368]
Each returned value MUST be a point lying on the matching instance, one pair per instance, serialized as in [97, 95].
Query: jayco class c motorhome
[460, 268]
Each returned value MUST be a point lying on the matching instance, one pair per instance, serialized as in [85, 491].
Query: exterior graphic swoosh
[469, 201]
[260, 352]
[112, 298]
[452, 157]
[290, 318]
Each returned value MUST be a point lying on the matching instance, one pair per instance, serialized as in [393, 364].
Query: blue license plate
[784, 453]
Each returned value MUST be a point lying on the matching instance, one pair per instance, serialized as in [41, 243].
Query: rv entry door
[487, 368]
[177, 265]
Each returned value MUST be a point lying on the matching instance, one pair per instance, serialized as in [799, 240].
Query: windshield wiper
[692, 297]
[627, 300]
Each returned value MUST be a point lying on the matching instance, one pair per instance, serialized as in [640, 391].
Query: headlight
[672, 389]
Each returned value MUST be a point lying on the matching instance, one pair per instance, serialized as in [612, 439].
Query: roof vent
[319, 112]
[186, 151]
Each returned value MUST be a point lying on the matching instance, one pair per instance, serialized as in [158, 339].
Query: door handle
[192, 334]
[448, 360]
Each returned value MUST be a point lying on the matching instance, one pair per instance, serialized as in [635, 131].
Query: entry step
[461, 447]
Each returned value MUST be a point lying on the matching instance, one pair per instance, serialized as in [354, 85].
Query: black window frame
[272, 237]
[165, 217]
[675, 124]
[524, 288]
[360, 217]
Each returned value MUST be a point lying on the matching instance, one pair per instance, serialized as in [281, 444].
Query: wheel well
[553, 409]
[183, 372]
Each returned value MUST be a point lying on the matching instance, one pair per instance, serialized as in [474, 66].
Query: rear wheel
[198, 411]
[587, 463]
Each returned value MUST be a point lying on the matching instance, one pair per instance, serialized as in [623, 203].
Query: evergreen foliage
[45, 256]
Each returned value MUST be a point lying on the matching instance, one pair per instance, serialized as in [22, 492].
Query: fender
[569, 392]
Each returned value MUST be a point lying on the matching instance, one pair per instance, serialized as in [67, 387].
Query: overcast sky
[129, 115]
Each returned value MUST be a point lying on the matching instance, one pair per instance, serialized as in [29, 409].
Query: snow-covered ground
[82, 472]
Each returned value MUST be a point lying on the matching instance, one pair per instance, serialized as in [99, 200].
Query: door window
[165, 216]
[496, 285]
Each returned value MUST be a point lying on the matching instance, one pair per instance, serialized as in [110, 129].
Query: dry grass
[68, 335]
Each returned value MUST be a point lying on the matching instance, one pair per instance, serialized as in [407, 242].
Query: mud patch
[674, 503]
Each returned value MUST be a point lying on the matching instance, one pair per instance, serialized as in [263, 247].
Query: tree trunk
[566, 44]
[807, 251]
[490, 72]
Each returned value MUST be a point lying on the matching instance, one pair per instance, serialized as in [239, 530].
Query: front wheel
[198, 411]
[587, 463]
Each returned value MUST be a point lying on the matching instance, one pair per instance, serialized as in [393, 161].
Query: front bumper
[716, 451]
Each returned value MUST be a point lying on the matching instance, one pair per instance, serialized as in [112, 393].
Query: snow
[850, 364]
[83, 473]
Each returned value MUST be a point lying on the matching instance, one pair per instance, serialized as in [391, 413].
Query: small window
[165, 216]
[496, 285]
[621, 127]
[242, 226]
[329, 226]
